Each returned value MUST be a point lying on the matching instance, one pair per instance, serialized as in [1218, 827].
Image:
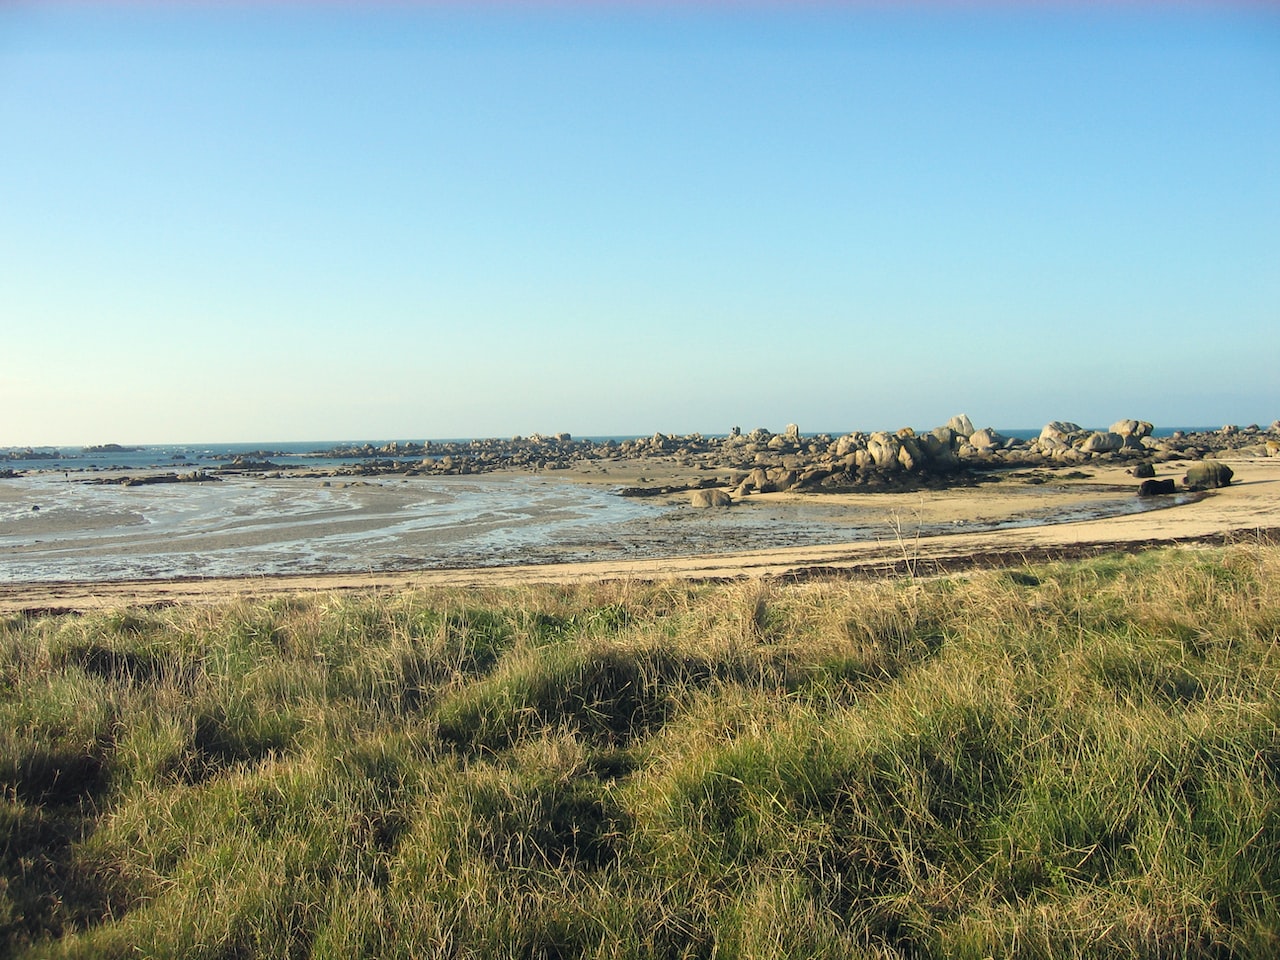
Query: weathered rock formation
[1207, 475]
[761, 461]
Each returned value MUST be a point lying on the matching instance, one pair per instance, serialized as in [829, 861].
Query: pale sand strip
[1241, 510]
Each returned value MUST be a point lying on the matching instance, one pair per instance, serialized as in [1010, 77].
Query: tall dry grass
[1075, 759]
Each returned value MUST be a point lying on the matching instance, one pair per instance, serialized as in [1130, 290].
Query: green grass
[1067, 760]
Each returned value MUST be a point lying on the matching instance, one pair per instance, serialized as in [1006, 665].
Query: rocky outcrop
[763, 462]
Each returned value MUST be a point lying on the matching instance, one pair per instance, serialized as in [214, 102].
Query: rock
[756, 481]
[710, 498]
[1132, 428]
[884, 448]
[1143, 471]
[961, 424]
[1049, 445]
[1207, 475]
[846, 445]
[813, 476]
[938, 451]
[985, 439]
[1064, 431]
[914, 450]
[792, 433]
[945, 436]
[782, 479]
[1156, 488]
[1100, 442]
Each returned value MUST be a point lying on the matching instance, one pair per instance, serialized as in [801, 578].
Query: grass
[1067, 760]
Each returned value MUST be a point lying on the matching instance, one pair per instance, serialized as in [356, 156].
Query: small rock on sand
[710, 498]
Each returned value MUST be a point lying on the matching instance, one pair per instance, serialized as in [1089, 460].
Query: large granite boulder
[1102, 442]
[939, 451]
[782, 478]
[945, 437]
[986, 439]
[757, 481]
[909, 456]
[847, 445]
[961, 424]
[884, 448]
[1207, 475]
[1062, 431]
[1132, 428]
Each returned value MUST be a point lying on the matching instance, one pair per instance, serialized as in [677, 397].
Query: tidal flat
[56, 527]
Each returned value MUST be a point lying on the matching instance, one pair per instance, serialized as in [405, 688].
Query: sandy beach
[1024, 514]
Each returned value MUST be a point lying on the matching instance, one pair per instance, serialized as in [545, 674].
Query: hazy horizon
[437, 219]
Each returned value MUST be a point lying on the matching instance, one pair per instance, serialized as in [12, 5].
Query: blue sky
[298, 221]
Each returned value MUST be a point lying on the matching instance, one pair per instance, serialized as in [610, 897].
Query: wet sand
[867, 533]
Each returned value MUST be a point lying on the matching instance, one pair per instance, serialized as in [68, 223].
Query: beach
[180, 543]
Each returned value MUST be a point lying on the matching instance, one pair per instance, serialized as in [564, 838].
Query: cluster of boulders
[906, 459]
[461, 457]
[763, 461]
[738, 464]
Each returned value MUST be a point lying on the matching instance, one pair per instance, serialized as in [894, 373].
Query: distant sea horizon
[317, 453]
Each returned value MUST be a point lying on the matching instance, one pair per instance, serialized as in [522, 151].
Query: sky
[304, 221]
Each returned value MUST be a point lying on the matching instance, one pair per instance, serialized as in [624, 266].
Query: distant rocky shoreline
[762, 462]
